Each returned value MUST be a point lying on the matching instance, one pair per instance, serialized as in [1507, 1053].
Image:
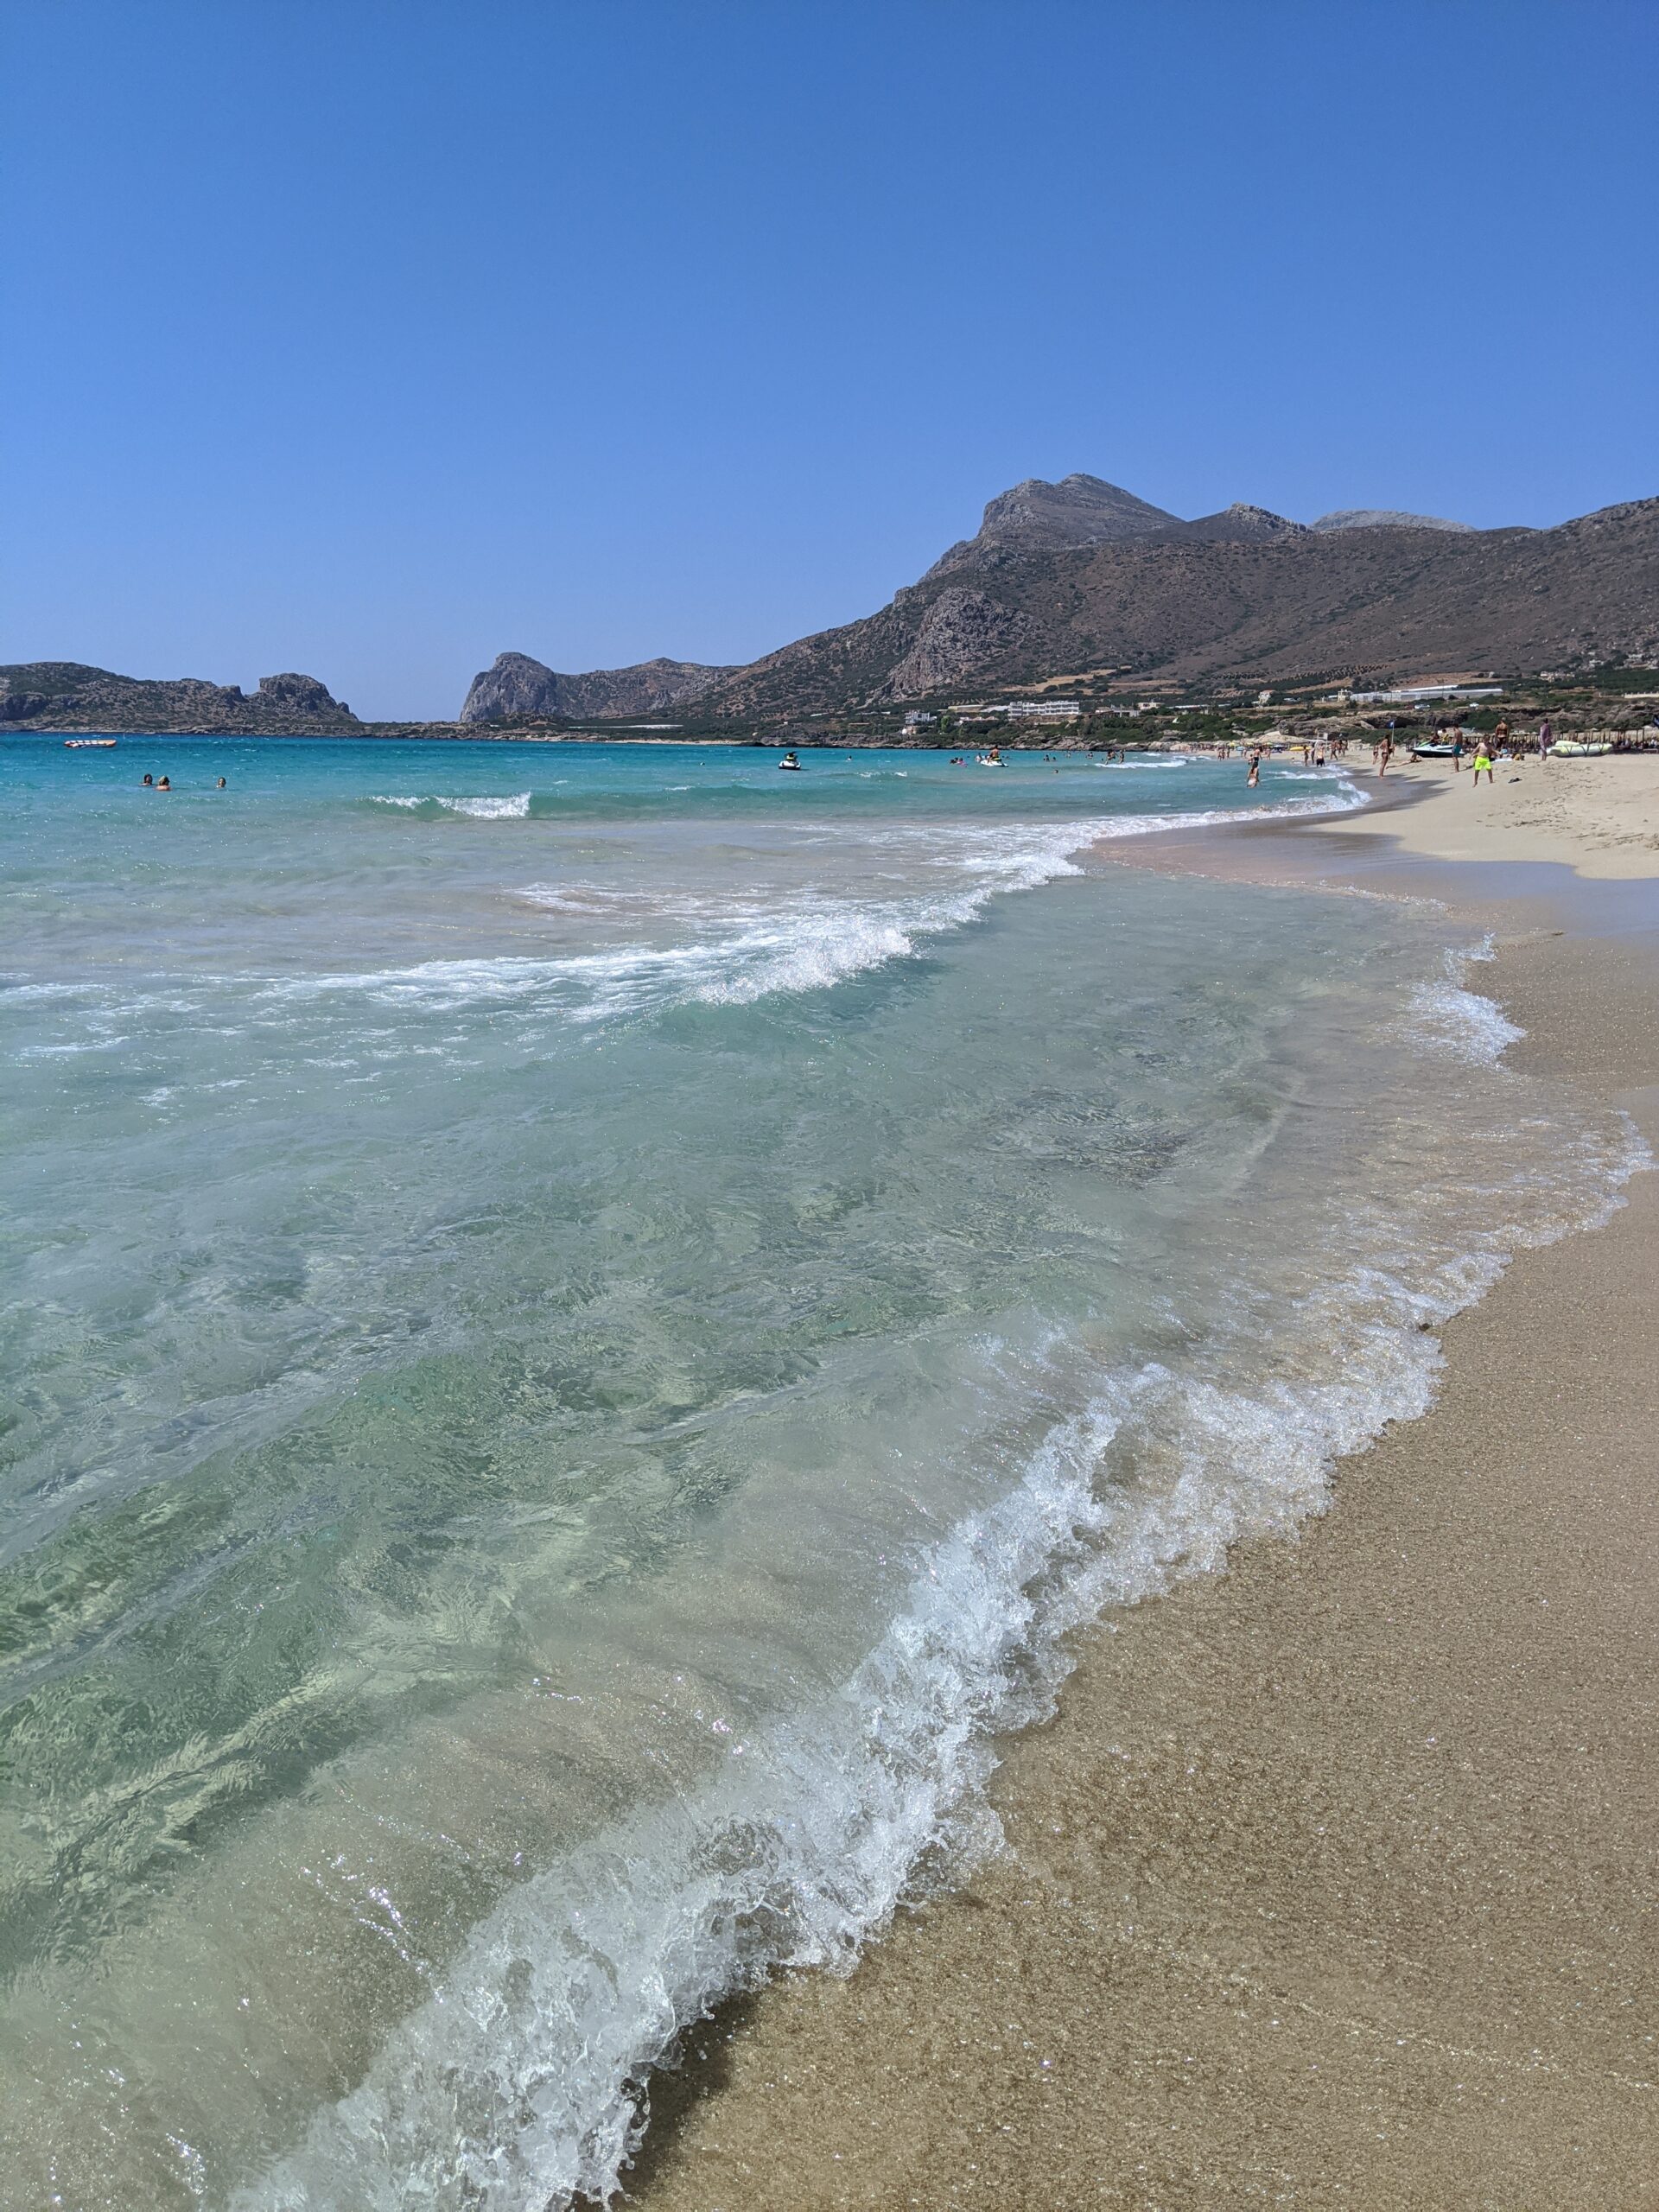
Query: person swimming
[150, 783]
[219, 786]
[165, 785]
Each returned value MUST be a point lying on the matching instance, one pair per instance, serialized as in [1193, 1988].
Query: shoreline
[1599, 817]
[1329, 1881]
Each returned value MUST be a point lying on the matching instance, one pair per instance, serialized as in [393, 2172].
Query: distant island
[1077, 588]
[68, 695]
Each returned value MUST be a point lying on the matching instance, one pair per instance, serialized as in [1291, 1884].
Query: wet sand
[1335, 1879]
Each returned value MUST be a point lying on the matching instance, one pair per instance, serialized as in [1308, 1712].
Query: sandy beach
[1598, 816]
[1335, 1879]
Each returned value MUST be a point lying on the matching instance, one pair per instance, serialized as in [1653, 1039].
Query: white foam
[512, 807]
[516, 2084]
[810, 942]
[1463, 1024]
[1447, 1017]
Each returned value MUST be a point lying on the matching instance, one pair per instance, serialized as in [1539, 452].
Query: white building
[1418, 694]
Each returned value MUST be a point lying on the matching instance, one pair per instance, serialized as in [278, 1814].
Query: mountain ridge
[1258, 601]
[1383, 519]
[516, 686]
[73, 695]
[1083, 574]
[1080, 575]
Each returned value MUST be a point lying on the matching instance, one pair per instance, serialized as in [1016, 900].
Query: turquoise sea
[580, 1322]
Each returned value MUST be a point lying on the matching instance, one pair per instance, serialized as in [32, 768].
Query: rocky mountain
[1035, 517]
[1081, 584]
[516, 688]
[960, 630]
[1038, 517]
[1239, 525]
[1074, 582]
[1382, 519]
[68, 696]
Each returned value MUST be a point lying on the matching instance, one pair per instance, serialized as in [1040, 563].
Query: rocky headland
[516, 688]
[68, 696]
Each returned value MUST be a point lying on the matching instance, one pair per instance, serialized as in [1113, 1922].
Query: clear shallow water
[579, 1323]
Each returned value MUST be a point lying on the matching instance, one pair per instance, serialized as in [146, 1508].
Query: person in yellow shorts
[1483, 757]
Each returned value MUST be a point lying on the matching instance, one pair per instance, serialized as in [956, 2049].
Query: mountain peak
[517, 686]
[1077, 511]
[1242, 524]
[1038, 516]
[1383, 519]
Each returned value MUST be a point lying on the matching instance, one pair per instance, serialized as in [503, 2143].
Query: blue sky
[373, 337]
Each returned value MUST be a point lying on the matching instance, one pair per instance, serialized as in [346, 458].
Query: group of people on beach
[1487, 752]
[1502, 747]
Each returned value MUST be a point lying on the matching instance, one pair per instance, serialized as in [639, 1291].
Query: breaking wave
[809, 942]
[523, 2080]
[513, 807]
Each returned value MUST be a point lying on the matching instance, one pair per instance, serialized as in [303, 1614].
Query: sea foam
[523, 2080]
[807, 942]
[511, 807]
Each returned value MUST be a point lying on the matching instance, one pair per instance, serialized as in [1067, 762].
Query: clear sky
[372, 337]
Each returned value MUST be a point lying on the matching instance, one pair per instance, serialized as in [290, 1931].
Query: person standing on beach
[1457, 751]
[1483, 759]
[1545, 736]
[1384, 754]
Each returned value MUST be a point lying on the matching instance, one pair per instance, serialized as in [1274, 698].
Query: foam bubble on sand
[1448, 1017]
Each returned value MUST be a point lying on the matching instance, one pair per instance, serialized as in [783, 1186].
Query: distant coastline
[1079, 604]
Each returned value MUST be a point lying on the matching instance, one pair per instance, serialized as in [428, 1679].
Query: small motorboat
[1434, 752]
[81, 744]
[1574, 750]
